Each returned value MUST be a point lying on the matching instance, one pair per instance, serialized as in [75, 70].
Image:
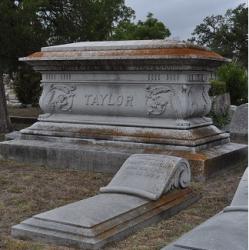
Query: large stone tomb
[227, 230]
[142, 192]
[103, 101]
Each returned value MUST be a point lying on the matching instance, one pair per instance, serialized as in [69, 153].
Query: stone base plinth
[108, 156]
[92, 223]
[191, 139]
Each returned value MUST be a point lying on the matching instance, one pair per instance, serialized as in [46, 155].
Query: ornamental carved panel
[60, 97]
[157, 99]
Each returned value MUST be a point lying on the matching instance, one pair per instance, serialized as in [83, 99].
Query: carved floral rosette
[179, 102]
[58, 98]
[158, 98]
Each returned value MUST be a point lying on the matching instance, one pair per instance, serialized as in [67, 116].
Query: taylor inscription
[109, 100]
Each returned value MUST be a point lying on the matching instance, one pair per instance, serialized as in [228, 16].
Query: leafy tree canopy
[85, 20]
[236, 81]
[20, 31]
[27, 25]
[226, 34]
[151, 28]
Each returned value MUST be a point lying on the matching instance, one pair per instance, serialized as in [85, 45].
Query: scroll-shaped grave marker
[150, 176]
[141, 193]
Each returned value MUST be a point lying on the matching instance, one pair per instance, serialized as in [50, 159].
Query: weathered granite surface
[160, 86]
[239, 124]
[227, 230]
[150, 176]
[130, 94]
[240, 198]
[93, 222]
[108, 156]
[232, 110]
[15, 135]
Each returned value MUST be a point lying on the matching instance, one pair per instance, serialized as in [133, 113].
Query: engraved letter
[110, 100]
[129, 101]
[95, 100]
[120, 99]
[87, 99]
[102, 99]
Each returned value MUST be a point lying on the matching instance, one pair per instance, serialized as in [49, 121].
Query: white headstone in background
[239, 124]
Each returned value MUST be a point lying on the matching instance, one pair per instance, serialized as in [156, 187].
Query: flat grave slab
[227, 230]
[241, 195]
[109, 216]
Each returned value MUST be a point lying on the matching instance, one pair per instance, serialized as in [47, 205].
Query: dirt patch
[28, 190]
[24, 112]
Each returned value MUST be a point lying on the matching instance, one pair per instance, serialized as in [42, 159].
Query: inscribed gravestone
[150, 175]
[239, 124]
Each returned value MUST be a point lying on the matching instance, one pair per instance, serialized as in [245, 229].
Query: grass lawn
[27, 190]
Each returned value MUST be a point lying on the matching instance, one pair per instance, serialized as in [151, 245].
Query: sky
[181, 16]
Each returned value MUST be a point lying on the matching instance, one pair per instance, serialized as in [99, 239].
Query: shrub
[27, 85]
[217, 88]
[220, 120]
[235, 78]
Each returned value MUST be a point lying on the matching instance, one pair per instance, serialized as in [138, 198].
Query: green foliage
[151, 28]
[220, 120]
[21, 32]
[28, 25]
[27, 85]
[226, 34]
[217, 88]
[86, 20]
[236, 80]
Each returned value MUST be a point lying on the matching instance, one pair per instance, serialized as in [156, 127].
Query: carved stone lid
[120, 50]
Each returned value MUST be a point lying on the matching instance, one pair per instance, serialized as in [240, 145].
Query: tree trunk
[4, 119]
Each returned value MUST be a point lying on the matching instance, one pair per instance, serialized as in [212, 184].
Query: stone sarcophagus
[136, 91]
[105, 100]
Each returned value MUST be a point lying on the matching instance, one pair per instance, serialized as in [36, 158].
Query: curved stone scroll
[150, 175]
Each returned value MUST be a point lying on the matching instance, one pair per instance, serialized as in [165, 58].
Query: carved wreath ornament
[157, 99]
[61, 97]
